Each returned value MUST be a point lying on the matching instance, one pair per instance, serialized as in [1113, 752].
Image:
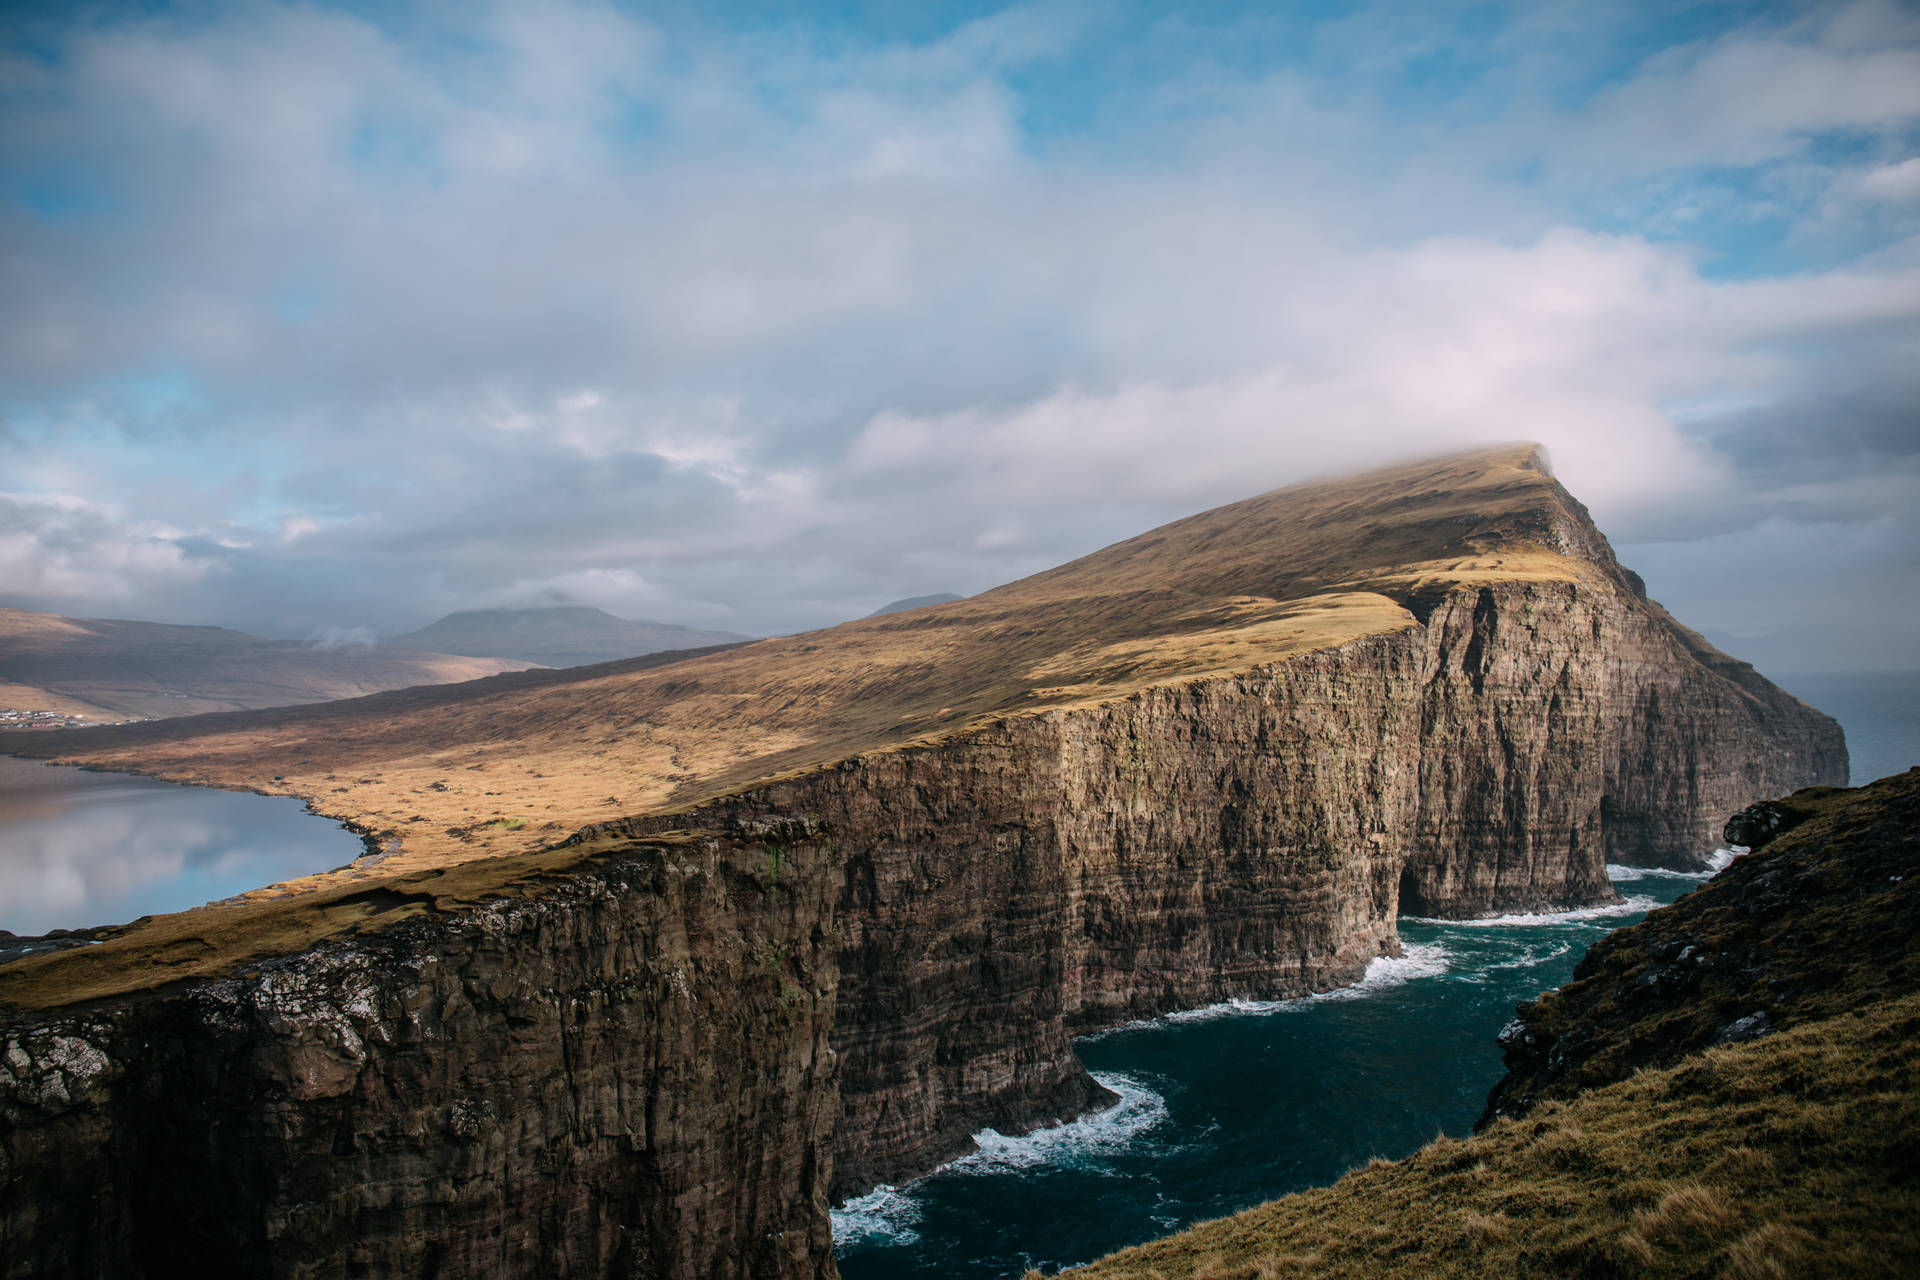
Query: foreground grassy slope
[516, 763]
[1793, 936]
[1793, 1154]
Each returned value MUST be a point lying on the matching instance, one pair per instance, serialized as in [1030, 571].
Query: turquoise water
[80, 848]
[1224, 1108]
[1227, 1107]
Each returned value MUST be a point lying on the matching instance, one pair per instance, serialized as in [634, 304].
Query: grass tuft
[1775, 1251]
[1686, 1212]
[1651, 1176]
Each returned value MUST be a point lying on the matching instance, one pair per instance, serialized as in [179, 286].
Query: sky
[321, 317]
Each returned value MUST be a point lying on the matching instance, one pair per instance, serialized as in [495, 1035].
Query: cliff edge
[1217, 760]
[1727, 1088]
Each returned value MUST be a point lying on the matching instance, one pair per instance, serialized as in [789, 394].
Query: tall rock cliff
[621, 1070]
[1217, 760]
[1254, 835]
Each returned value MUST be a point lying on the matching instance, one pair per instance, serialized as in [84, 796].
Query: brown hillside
[112, 669]
[517, 762]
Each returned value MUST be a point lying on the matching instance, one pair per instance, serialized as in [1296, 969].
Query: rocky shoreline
[661, 1048]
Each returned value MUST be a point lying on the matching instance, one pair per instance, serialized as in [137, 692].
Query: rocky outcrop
[626, 1073]
[1253, 836]
[1821, 921]
[490, 1086]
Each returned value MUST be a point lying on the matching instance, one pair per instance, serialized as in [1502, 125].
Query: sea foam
[892, 1213]
[884, 1213]
[1722, 858]
[1421, 960]
[1077, 1141]
[1627, 875]
[1527, 919]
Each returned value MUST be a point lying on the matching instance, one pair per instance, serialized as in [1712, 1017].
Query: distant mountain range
[556, 635]
[915, 602]
[113, 669]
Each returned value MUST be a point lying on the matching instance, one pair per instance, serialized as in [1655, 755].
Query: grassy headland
[437, 769]
[1676, 1145]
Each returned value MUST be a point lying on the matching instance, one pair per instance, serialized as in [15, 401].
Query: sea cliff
[1252, 836]
[1216, 761]
[1727, 1088]
[623, 1069]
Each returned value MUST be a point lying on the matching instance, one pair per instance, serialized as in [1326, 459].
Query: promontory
[649, 961]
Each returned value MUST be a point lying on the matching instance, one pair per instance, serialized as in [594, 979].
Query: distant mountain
[113, 669]
[556, 635]
[915, 602]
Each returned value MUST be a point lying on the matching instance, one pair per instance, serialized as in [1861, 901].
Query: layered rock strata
[1216, 761]
[1821, 922]
[1251, 836]
[626, 1073]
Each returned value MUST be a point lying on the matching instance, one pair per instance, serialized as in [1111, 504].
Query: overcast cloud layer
[324, 318]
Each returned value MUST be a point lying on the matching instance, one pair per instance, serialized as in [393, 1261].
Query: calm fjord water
[80, 848]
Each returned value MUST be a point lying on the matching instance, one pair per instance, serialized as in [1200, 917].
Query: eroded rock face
[1756, 825]
[1819, 922]
[627, 1075]
[634, 1073]
[1253, 836]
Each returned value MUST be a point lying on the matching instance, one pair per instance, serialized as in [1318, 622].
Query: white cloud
[342, 639]
[1893, 183]
[66, 553]
[1740, 100]
[676, 323]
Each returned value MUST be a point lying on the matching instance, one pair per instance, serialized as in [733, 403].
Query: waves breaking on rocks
[1237, 1099]
[1530, 919]
[893, 1212]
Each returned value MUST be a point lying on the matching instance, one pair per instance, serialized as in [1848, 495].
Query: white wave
[891, 1213]
[1530, 956]
[884, 1213]
[1421, 960]
[1074, 1142]
[1721, 859]
[1620, 874]
[1526, 919]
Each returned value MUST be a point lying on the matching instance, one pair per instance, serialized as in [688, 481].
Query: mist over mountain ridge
[555, 635]
[109, 668]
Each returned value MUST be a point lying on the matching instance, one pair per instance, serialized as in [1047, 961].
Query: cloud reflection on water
[81, 849]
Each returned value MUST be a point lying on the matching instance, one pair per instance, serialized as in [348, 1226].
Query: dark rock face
[1822, 921]
[645, 1071]
[1254, 836]
[1757, 824]
[628, 1075]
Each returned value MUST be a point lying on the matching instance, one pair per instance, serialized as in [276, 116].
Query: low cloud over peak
[319, 314]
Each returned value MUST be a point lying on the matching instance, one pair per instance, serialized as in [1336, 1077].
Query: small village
[19, 718]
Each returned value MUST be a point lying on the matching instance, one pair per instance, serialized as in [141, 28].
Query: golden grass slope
[518, 762]
[1794, 1154]
[110, 669]
[1791, 1156]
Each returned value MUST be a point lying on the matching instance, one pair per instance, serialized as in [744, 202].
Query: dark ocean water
[1227, 1107]
[80, 848]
